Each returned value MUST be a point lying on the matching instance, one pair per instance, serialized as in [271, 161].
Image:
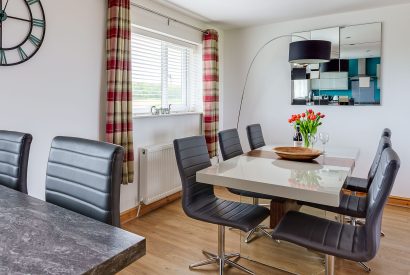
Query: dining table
[318, 181]
[38, 237]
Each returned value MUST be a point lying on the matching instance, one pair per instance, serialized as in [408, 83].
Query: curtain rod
[167, 17]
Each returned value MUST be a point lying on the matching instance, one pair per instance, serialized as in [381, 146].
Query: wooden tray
[297, 153]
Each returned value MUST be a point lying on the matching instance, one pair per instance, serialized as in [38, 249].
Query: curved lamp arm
[250, 67]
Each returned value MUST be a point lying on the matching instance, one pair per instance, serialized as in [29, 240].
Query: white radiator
[158, 176]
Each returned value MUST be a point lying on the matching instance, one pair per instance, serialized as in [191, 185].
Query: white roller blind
[146, 71]
[164, 73]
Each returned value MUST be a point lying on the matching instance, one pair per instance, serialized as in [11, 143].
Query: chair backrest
[384, 143]
[255, 136]
[386, 133]
[377, 197]
[85, 176]
[230, 144]
[192, 155]
[14, 154]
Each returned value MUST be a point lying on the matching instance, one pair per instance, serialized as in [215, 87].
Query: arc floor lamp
[300, 52]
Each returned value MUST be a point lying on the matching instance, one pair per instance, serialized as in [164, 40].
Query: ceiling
[230, 14]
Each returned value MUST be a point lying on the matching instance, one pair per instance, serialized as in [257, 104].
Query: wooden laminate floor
[174, 241]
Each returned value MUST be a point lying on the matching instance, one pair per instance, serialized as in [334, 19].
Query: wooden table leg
[278, 209]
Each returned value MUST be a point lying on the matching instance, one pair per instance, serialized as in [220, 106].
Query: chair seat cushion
[357, 184]
[254, 195]
[350, 205]
[238, 215]
[326, 236]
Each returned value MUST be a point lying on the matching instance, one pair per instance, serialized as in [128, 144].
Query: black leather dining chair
[85, 176]
[360, 184]
[230, 145]
[14, 155]
[199, 201]
[351, 204]
[355, 243]
[255, 136]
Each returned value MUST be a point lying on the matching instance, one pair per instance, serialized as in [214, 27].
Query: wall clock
[22, 30]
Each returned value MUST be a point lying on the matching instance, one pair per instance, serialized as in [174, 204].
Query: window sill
[138, 116]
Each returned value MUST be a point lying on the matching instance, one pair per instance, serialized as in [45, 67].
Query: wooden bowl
[297, 153]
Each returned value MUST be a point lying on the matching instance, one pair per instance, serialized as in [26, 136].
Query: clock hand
[7, 2]
[1, 25]
[18, 18]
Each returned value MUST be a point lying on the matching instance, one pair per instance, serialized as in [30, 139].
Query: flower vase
[306, 142]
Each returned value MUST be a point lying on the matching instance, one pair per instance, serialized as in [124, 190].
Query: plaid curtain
[119, 88]
[211, 90]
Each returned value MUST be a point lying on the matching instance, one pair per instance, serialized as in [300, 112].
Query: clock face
[22, 30]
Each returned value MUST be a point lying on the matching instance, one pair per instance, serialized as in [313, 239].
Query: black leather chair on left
[85, 176]
[14, 154]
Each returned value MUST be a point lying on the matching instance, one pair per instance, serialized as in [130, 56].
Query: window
[165, 73]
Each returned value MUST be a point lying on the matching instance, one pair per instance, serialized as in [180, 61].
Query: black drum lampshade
[309, 51]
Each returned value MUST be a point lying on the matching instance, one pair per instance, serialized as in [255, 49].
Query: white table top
[307, 181]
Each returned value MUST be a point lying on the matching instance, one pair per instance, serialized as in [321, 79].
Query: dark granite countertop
[37, 237]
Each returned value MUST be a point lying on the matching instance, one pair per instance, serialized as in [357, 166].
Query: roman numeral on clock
[31, 2]
[34, 40]
[22, 53]
[3, 59]
[38, 23]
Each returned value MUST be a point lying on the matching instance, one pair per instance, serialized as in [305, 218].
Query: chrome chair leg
[221, 259]
[329, 265]
[259, 228]
[232, 255]
[365, 266]
[238, 266]
[250, 233]
[204, 262]
[208, 254]
[353, 221]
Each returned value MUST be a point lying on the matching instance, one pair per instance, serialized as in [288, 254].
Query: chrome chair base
[221, 262]
[221, 259]
[365, 266]
[259, 228]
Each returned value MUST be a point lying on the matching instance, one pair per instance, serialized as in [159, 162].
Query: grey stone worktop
[37, 237]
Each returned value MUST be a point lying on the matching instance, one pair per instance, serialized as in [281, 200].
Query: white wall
[59, 91]
[156, 130]
[268, 92]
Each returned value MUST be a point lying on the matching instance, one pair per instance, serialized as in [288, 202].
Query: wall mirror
[352, 77]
